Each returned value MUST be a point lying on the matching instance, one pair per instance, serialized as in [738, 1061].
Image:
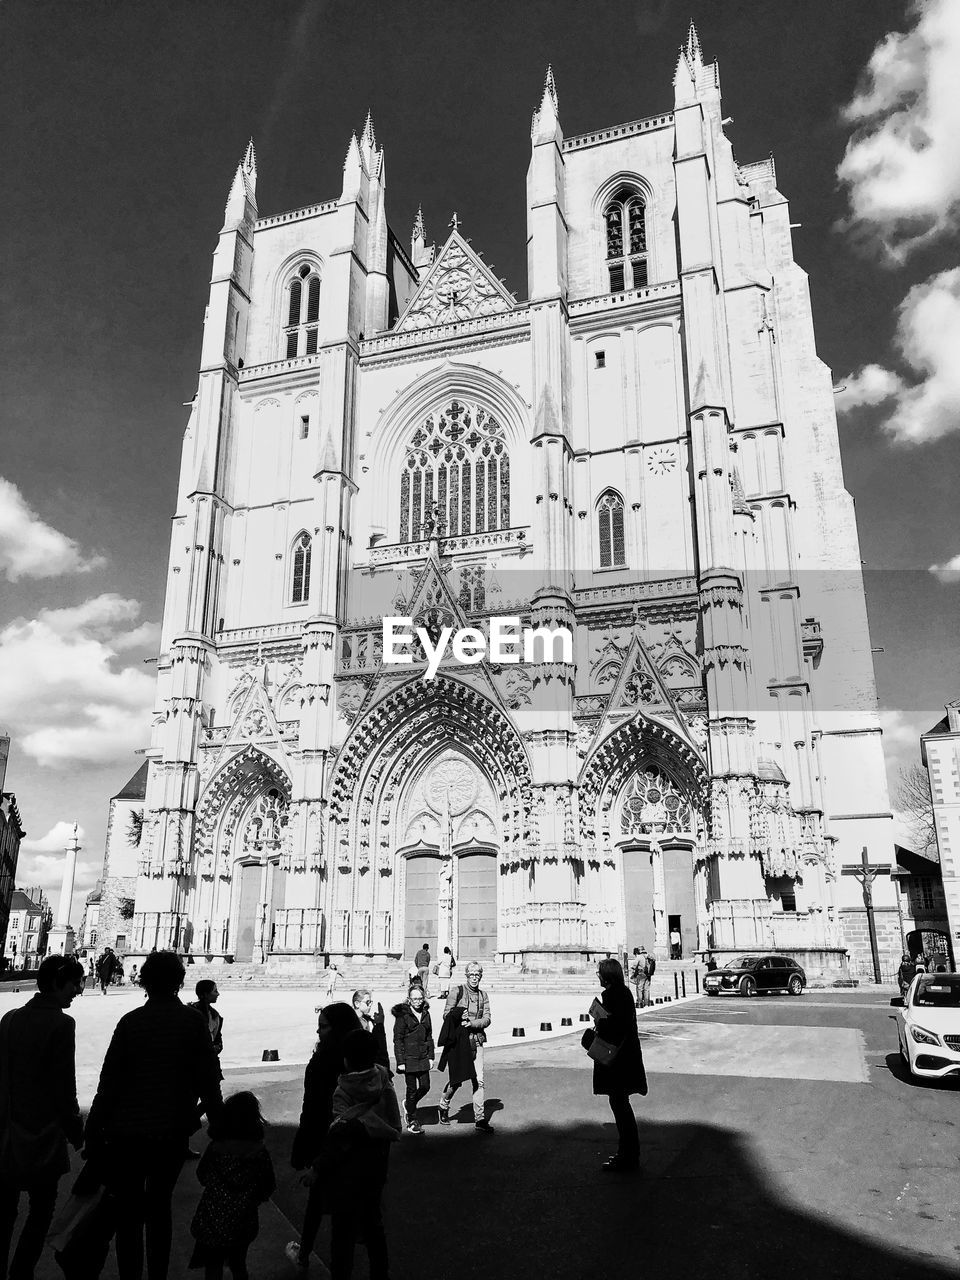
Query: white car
[928, 1026]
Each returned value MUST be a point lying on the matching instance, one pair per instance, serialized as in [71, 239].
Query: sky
[122, 125]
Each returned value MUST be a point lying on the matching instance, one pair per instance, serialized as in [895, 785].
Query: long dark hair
[610, 972]
[239, 1117]
[343, 1019]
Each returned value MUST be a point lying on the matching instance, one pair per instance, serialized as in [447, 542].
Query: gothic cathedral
[644, 452]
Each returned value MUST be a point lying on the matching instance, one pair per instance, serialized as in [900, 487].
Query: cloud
[901, 167]
[55, 841]
[29, 548]
[66, 697]
[901, 740]
[926, 341]
[948, 572]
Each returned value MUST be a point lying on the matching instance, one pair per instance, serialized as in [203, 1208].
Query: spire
[243, 190]
[693, 51]
[250, 161]
[419, 231]
[352, 167]
[368, 143]
[546, 119]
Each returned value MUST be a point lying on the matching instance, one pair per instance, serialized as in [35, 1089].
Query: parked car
[928, 1025]
[751, 975]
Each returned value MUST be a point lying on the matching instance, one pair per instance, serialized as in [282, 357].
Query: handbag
[602, 1051]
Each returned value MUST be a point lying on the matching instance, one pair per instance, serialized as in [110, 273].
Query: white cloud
[927, 341]
[65, 696]
[29, 548]
[55, 841]
[901, 166]
[901, 740]
[949, 571]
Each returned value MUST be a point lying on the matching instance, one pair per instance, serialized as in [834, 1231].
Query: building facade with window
[643, 452]
[940, 752]
[25, 944]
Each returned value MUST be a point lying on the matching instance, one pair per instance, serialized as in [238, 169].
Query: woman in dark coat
[413, 1046]
[624, 1075]
[334, 1024]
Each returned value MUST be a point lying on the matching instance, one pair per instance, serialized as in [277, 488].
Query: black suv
[751, 975]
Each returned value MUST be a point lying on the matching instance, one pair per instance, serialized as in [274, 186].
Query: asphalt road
[779, 1139]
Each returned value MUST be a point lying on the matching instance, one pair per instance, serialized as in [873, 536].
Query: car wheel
[795, 985]
[748, 987]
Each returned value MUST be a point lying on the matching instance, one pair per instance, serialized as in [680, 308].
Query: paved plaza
[780, 1140]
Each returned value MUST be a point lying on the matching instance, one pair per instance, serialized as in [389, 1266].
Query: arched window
[654, 805]
[456, 475]
[625, 219]
[300, 585]
[610, 517]
[303, 313]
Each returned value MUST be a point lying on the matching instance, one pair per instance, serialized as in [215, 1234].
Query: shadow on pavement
[898, 1068]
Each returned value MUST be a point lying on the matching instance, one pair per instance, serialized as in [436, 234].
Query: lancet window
[625, 219]
[456, 475]
[300, 583]
[654, 805]
[303, 313]
[610, 521]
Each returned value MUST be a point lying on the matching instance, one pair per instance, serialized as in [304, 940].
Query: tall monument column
[62, 939]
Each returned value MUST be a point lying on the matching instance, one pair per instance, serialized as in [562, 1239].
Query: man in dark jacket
[107, 966]
[39, 1113]
[414, 1050]
[475, 1004]
[422, 961]
[159, 1074]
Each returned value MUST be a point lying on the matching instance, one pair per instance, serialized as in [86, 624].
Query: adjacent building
[108, 911]
[29, 925]
[642, 454]
[940, 752]
[11, 833]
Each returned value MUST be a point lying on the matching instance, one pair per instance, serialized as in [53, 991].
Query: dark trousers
[418, 1086]
[141, 1176]
[234, 1258]
[42, 1199]
[312, 1218]
[628, 1136]
[361, 1220]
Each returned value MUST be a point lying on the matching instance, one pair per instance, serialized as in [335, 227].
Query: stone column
[62, 940]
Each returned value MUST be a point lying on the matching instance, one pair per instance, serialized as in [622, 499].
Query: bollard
[566, 1022]
[271, 1055]
[546, 1026]
[683, 983]
[696, 978]
[667, 999]
[659, 1000]
[584, 1017]
[676, 986]
[519, 1031]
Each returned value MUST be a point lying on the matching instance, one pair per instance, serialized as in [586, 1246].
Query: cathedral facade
[644, 453]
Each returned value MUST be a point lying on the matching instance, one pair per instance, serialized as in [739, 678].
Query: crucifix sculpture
[866, 873]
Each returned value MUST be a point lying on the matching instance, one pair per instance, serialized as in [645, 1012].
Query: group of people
[642, 969]
[910, 966]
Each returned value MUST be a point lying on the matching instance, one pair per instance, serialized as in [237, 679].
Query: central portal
[421, 903]
[476, 906]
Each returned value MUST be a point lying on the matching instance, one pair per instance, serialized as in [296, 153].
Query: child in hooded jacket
[237, 1175]
[366, 1121]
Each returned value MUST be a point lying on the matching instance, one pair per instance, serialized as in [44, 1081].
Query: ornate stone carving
[458, 287]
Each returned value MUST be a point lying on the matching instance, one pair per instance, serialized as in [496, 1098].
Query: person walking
[444, 970]
[207, 995]
[107, 966]
[414, 1050]
[641, 974]
[366, 1120]
[475, 1019]
[39, 1113]
[615, 1024]
[159, 1075]
[906, 973]
[237, 1176]
[373, 1024]
[422, 961]
[334, 1024]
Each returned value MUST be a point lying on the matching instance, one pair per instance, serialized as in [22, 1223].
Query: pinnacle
[369, 136]
[549, 103]
[419, 232]
[250, 158]
[694, 52]
[353, 148]
[550, 86]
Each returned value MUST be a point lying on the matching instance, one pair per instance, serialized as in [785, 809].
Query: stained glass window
[625, 218]
[610, 518]
[461, 455]
[302, 554]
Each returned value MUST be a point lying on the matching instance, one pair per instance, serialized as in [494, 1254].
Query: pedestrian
[676, 944]
[333, 976]
[475, 1020]
[134, 977]
[39, 1113]
[641, 974]
[207, 996]
[237, 1175]
[615, 1025]
[422, 961]
[106, 968]
[444, 970]
[373, 1024]
[366, 1121]
[159, 1075]
[334, 1024]
[920, 964]
[414, 1050]
[906, 973]
[710, 962]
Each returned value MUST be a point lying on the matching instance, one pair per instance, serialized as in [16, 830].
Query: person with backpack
[237, 1176]
[475, 1019]
[366, 1120]
[642, 971]
[414, 1049]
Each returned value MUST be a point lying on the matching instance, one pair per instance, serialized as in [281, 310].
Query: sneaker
[414, 1126]
[292, 1251]
[445, 1116]
[484, 1126]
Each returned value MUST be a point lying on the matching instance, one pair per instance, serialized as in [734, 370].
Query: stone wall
[856, 934]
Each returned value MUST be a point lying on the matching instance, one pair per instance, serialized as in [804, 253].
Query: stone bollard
[519, 1031]
[546, 1026]
[271, 1055]
[566, 1022]
[584, 1017]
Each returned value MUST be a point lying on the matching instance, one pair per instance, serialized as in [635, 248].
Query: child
[237, 1175]
[366, 1120]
